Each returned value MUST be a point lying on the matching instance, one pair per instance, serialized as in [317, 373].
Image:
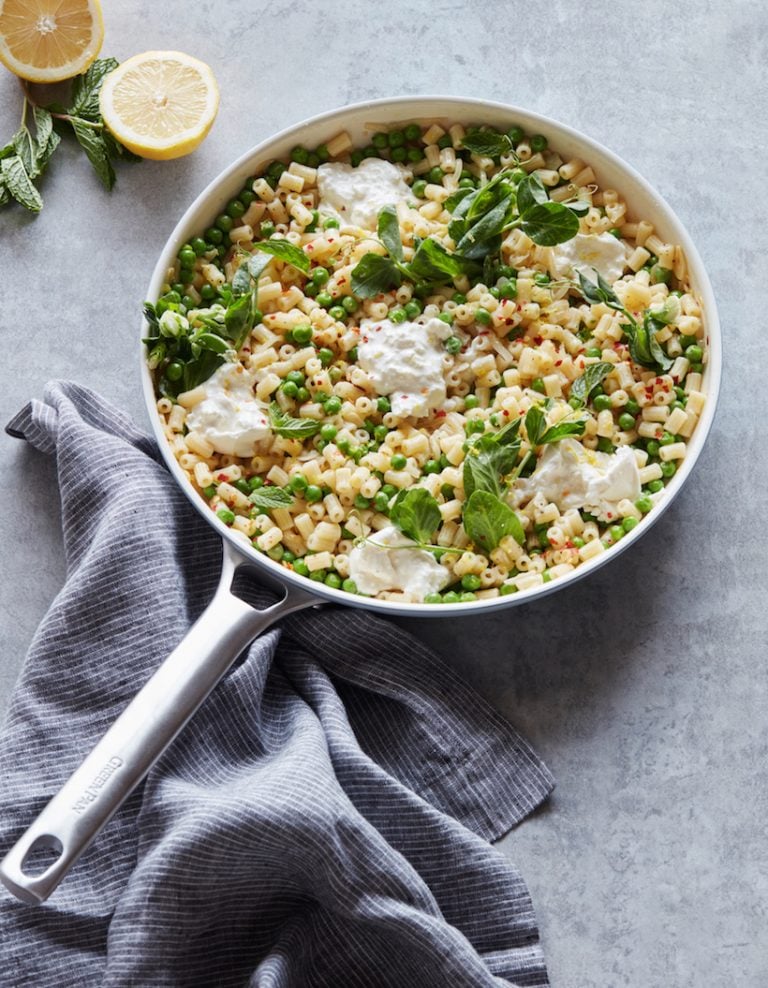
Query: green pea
[330, 223]
[235, 209]
[578, 542]
[471, 582]
[541, 278]
[396, 138]
[697, 368]
[302, 334]
[328, 431]
[350, 304]
[654, 486]
[446, 141]
[415, 154]
[187, 256]
[694, 354]
[451, 597]
[225, 515]
[537, 384]
[302, 395]
[431, 466]
[483, 316]
[593, 351]
[494, 291]
[333, 580]
[397, 316]
[174, 370]
[349, 586]
[311, 289]
[247, 196]
[508, 289]
[471, 401]
[207, 293]
[602, 403]
[320, 276]
[361, 503]
[312, 494]
[516, 134]
[474, 426]
[660, 275]
[371, 152]
[605, 445]
[506, 589]
[209, 491]
[242, 485]
[289, 388]
[668, 469]
[296, 377]
[644, 504]
[352, 355]
[337, 312]
[255, 483]
[318, 576]
[214, 235]
[629, 523]
[379, 140]
[398, 461]
[325, 355]
[380, 433]
[381, 502]
[627, 422]
[412, 132]
[322, 152]
[266, 229]
[666, 439]
[435, 175]
[412, 309]
[616, 532]
[399, 155]
[333, 405]
[539, 143]
[301, 567]
[298, 483]
[466, 182]
[467, 597]
[324, 299]
[199, 246]
[433, 598]
[288, 556]
[615, 232]
[299, 155]
[276, 552]
[632, 406]
[459, 298]
[652, 447]
[419, 187]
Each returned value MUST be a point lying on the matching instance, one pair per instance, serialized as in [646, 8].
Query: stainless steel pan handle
[141, 734]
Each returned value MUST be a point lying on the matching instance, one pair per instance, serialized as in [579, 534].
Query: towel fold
[324, 819]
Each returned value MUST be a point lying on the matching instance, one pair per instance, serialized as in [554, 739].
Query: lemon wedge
[49, 40]
[160, 104]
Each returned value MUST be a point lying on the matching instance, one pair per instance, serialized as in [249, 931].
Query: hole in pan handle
[140, 735]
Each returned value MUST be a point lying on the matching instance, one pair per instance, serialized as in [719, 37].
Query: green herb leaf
[599, 291]
[238, 319]
[212, 342]
[241, 281]
[374, 275]
[389, 232]
[487, 462]
[86, 88]
[487, 144]
[288, 427]
[561, 431]
[268, 498]
[19, 184]
[644, 348]
[416, 513]
[578, 206]
[27, 151]
[43, 127]
[92, 142]
[487, 520]
[151, 316]
[257, 265]
[549, 223]
[198, 370]
[432, 262]
[530, 192]
[668, 312]
[456, 197]
[488, 227]
[595, 374]
[5, 195]
[44, 156]
[535, 425]
[284, 250]
[486, 197]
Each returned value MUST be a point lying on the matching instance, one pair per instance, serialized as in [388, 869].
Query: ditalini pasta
[442, 367]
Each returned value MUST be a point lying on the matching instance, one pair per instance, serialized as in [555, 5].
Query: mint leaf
[599, 291]
[284, 250]
[389, 232]
[268, 498]
[5, 195]
[285, 425]
[44, 156]
[27, 151]
[92, 142]
[549, 223]
[561, 430]
[416, 513]
[487, 144]
[257, 265]
[535, 425]
[86, 88]
[487, 520]
[19, 184]
[595, 374]
[43, 127]
[374, 275]
[238, 319]
[241, 281]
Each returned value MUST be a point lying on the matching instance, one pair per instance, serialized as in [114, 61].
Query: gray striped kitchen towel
[323, 820]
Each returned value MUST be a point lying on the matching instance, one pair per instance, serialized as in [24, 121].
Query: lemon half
[160, 104]
[49, 40]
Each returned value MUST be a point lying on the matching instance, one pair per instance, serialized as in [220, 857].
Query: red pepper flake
[309, 248]
[505, 413]
[558, 363]
[440, 414]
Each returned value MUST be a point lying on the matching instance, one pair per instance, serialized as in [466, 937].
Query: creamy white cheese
[587, 251]
[229, 416]
[571, 476]
[405, 362]
[355, 196]
[385, 563]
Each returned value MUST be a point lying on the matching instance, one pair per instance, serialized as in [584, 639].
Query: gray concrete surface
[645, 686]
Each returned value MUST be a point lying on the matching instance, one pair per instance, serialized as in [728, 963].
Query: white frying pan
[152, 720]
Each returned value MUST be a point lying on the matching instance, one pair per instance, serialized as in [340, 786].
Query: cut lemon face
[160, 104]
[49, 40]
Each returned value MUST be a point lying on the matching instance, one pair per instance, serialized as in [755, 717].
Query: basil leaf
[583, 386]
[432, 262]
[599, 291]
[530, 192]
[549, 223]
[374, 275]
[389, 232]
[561, 430]
[86, 88]
[95, 149]
[267, 498]
[535, 425]
[27, 151]
[487, 144]
[241, 280]
[285, 251]
[416, 513]
[257, 265]
[487, 520]
[285, 425]
[19, 184]
[238, 319]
